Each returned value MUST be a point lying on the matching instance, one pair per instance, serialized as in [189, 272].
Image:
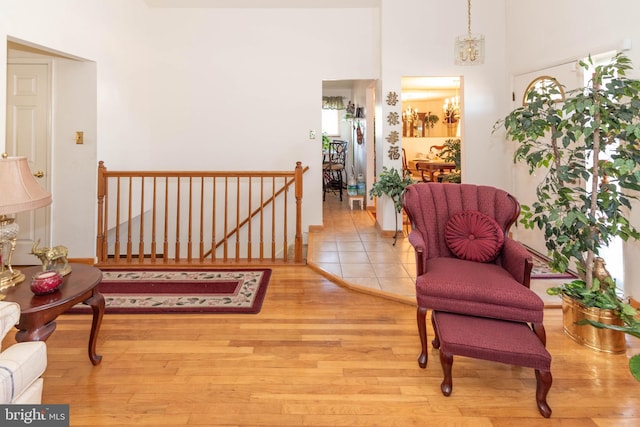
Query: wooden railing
[198, 219]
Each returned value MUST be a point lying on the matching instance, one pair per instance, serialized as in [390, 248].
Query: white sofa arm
[9, 316]
[21, 366]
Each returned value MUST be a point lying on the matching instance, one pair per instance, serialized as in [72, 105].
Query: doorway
[68, 166]
[432, 114]
[28, 134]
[352, 110]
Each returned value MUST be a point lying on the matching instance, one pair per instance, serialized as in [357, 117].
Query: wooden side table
[38, 313]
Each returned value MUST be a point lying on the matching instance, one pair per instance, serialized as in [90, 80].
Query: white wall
[417, 39]
[114, 35]
[215, 89]
[74, 166]
[572, 29]
[104, 38]
[242, 88]
[190, 88]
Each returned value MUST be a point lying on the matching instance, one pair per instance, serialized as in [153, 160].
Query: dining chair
[424, 171]
[406, 171]
[334, 168]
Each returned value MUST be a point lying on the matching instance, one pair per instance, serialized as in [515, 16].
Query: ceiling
[264, 4]
[413, 88]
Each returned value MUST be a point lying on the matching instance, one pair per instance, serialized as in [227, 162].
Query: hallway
[351, 248]
[351, 251]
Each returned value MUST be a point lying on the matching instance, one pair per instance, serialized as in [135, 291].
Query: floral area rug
[185, 291]
[541, 269]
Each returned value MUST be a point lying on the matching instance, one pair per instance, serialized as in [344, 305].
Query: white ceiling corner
[263, 4]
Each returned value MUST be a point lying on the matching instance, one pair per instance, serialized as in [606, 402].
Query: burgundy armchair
[466, 263]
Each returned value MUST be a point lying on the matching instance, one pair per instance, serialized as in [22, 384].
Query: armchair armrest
[517, 260]
[417, 241]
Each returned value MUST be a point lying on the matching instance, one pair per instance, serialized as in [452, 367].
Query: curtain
[332, 103]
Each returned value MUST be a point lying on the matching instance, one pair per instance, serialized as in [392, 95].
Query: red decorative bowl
[46, 282]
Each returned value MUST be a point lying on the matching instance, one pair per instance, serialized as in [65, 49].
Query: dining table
[432, 166]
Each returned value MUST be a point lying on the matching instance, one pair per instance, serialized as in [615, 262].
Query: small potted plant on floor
[391, 184]
[587, 149]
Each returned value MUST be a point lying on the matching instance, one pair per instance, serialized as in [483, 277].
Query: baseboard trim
[88, 261]
[363, 289]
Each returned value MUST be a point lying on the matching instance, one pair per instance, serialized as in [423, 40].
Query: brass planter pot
[604, 340]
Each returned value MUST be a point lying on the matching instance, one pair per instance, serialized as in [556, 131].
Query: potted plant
[632, 328]
[451, 153]
[587, 148]
[430, 121]
[325, 141]
[391, 184]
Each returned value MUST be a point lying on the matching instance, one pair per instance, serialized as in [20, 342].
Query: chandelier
[469, 48]
[410, 120]
[410, 114]
[451, 110]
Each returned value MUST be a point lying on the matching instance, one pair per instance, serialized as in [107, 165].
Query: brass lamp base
[8, 233]
[10, 278]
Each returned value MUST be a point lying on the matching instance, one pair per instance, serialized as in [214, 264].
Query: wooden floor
[317, 355]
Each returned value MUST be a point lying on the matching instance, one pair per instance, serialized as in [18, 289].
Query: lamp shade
[19, 191]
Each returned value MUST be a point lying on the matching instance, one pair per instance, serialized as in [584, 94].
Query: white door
[570, 76]
[28, 112]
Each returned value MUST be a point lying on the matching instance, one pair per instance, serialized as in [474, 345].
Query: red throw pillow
[474, 236]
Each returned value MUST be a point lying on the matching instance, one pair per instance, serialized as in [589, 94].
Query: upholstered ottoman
[513, 343]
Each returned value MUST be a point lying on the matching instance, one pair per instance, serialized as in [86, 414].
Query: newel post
[100, 252]
[298, 191]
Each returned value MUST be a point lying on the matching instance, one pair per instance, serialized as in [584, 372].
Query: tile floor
[351, 250]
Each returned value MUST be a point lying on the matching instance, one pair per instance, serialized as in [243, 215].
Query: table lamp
[19, 192]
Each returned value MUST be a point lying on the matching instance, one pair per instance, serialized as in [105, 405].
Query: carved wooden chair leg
[436, 339]
[421, 316]
[543, 384]
[540, 332]
[446, 360]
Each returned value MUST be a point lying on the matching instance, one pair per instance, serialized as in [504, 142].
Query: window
[544, 85]
[613, 252]
[331, 122]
